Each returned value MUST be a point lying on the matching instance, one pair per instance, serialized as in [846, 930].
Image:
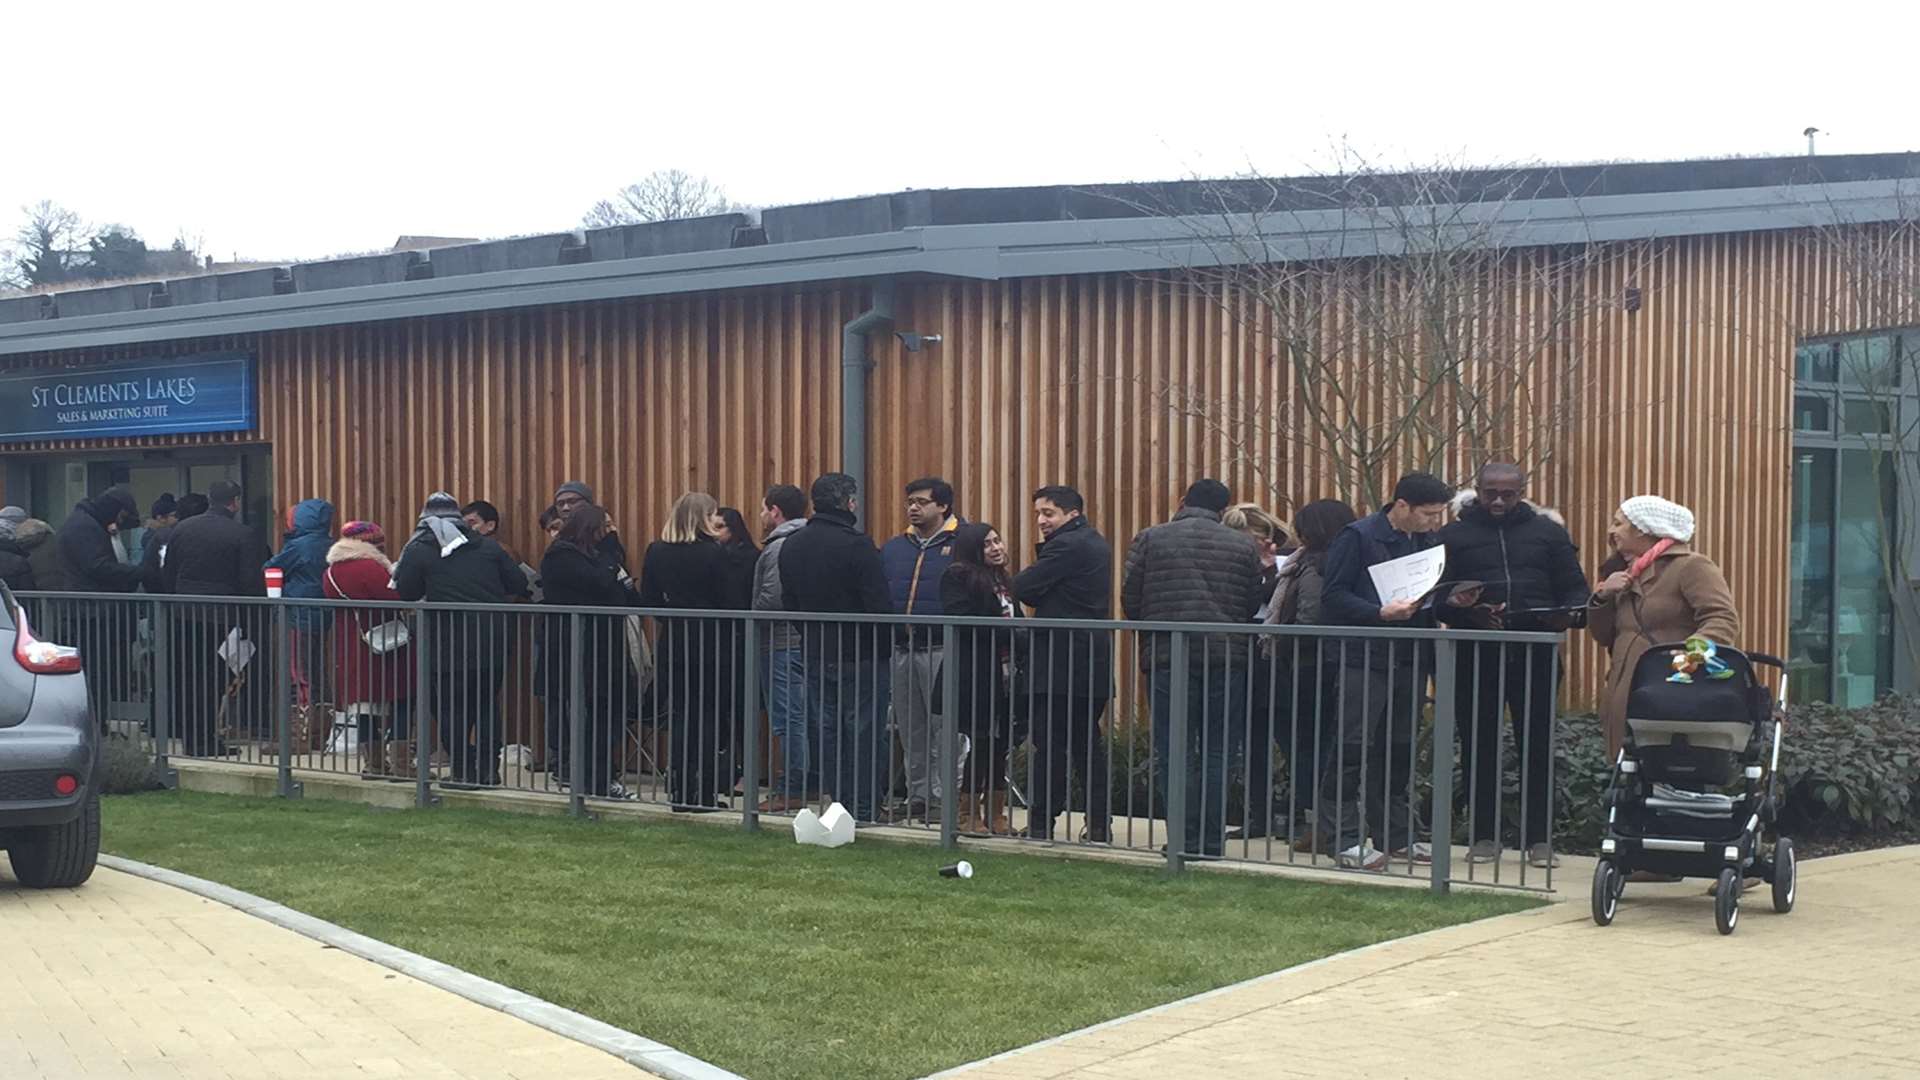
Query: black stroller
[1665, 812]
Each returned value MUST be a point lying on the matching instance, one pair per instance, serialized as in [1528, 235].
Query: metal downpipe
[855, 363]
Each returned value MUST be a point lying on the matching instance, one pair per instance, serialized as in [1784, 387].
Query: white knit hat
[1656, 516]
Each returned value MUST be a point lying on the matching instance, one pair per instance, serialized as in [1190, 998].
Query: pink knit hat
[365, 531]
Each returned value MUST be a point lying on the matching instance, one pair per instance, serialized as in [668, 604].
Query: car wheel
[59, 856]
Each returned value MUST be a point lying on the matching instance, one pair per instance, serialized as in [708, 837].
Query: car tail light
[42, 657]
[66, 784]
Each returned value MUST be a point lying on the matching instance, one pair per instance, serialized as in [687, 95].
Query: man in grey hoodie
[783, 676]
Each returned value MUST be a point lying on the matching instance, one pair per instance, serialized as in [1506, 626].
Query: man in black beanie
[1195, 569]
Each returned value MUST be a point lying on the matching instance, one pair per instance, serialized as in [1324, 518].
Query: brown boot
[400, 760]
[373, 756]
[969, 820]
[998, 823]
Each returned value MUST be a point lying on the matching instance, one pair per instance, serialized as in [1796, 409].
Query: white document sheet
[1409, 577]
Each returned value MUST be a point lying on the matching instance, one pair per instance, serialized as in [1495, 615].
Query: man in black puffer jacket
[1528, 563]
[215, 555]
[1195, 569]
[833, 566]
[84, 560]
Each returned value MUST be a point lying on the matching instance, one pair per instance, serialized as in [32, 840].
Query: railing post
[749, 728]
[950, 738]
[1177, 754]
[576, 715]
[423, 713]
[1445, 655]
[162, 694]
[287, 788]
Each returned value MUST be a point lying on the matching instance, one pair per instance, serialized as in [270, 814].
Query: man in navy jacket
[1381, 682]
[914, 562]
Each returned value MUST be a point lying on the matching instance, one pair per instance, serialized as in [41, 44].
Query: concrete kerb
[1424, 944]
[637, 1050]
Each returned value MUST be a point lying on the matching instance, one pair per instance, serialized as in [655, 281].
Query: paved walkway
[1831, 990]
[130, 978]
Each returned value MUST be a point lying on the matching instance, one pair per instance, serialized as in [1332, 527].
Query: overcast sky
[302, 130]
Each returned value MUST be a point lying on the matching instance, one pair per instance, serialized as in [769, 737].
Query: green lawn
[771, 959]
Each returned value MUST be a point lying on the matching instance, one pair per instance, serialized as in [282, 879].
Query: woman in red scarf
[1667, 593]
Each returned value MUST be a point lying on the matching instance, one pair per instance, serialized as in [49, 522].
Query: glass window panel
[1810, 555]
[1814, 363]
[1812, 412]
[1863, 621]
[1868, 362]
[1867, 417]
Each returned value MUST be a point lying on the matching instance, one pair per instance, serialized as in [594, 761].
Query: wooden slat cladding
[1037, 381]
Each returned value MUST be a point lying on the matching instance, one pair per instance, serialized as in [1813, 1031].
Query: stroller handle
[1770, 661]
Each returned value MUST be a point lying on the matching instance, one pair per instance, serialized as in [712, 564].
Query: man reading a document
[1379, 683]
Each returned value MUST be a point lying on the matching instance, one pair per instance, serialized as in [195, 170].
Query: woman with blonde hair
[1252, 737]
[686, 569]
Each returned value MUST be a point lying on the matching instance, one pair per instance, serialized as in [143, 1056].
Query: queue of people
[1341, 710]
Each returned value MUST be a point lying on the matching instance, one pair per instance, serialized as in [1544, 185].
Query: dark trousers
[1364, 781]
[207, 696]
[199, 684]
[605, 723]
[466, 703]
[1216, 700]
[1497, 682]
[847, 701]
[1283, 712]
[700, 726]
[1066, 727]
[990, 742]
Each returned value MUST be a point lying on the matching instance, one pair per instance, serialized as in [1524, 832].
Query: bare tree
[1402, 319]
[49, 248]
[664, 195]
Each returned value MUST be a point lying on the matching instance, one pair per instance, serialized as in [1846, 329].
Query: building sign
[177, 395]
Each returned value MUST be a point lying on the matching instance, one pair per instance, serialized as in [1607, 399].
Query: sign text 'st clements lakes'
[175, 395]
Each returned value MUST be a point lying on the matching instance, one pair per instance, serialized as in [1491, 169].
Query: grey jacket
[767, 592]
[1192, 569]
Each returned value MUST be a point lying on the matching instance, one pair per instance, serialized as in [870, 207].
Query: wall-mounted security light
[915, 342]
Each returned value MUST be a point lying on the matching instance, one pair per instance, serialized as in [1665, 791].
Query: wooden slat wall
[1037, 381]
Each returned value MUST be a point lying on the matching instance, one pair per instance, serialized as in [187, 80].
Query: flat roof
[978, 233]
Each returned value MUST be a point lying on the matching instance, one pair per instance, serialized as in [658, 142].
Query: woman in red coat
[373, 685]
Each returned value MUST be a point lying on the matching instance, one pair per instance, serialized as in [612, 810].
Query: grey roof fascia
[993, 251]
[852, 257]
[1147, 244]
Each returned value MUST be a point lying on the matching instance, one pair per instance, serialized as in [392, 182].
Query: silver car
[49, 758]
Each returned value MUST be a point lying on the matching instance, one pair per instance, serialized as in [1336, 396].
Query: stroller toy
[1687, 741]
[1698, 653]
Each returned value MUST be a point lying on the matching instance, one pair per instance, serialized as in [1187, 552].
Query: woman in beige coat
[1668, 593]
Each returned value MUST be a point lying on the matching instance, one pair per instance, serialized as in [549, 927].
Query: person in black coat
[1528, 563]
[573, 573]
[83, 545]
[448, 563]
[152, 553]
[977, 584]
[1067, 675]
[832, 566]
[214, 555]
[19, 536]
[687, 569]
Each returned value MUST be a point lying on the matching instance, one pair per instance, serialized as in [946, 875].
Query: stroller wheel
[1786, 875]
[1606, 891]
[1726, 901]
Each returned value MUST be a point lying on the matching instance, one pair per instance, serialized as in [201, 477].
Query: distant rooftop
[985, 231]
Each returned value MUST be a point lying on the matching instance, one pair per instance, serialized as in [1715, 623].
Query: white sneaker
[1421, 853]
[1363, 857]
[618, 790]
